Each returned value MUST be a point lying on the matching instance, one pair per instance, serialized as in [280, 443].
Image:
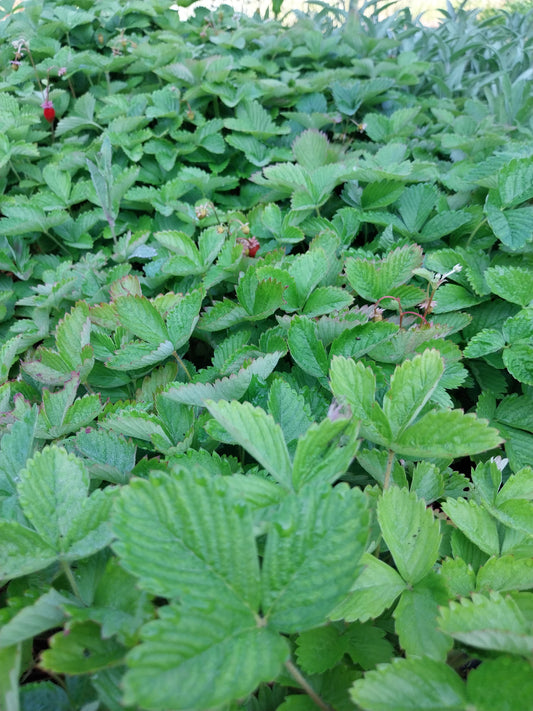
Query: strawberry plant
[266, 346]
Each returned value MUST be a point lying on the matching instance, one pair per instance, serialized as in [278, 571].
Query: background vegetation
[266, 360]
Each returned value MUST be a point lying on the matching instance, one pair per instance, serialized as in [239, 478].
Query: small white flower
[500, 462]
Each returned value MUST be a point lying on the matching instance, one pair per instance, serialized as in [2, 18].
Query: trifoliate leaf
[182, 319]
[23, 551]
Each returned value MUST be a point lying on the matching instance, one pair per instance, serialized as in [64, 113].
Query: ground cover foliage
[267, 360]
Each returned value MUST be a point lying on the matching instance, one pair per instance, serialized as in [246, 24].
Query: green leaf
[259, 298]
[495, 623]
[515, 182]
[411, 685]
[138, 315]
[486, 341]
[357, 341]
[306, 349]
[231, 388]
[23, 551]
[475, 522]
[325, 452]
[258, 433]
[373, 592]
[320, 649]
[416, 615]
[82, 651]
[289, 409]
[518, 359]
[73, 336]
[16, 446]
[514, 284]
[504, 683]
[45, 613]
[416, 204]
[512, 227]
[52, 490]
[448, 433]
[182, 319]
[505, 573]
[410, 531]
[191, 519]
[326, 299]
[374, 279]
[411, 386]
[138, 355]
[188, 660]
[322, 530]
[10, 668]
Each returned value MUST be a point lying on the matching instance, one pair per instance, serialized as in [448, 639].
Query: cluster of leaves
[266, 361]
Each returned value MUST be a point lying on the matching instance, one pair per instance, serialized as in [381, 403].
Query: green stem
[70, 577]
[180, 362]
[298, 677]
[483, 222]
[388, 471]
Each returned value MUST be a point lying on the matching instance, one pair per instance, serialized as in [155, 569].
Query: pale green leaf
[191, 519]
[138, 355]
[374, 591]
[201, 658]
[488, 340]
[73, 334]
[10, 669]
[514, 284]
[306, 349]
[138, 315]
[289, 409]
[82, 651]
[489, 623]
[182, 319]
[448, 433]
[475, 522]
[411, 685]
[52, 490]
[416, 615]
[22, 551]
[325, 452]
[258, 433]
[44, 614]
[505, 573]
[411, 386]
[518, 359]
[410, 531]
[324, 530]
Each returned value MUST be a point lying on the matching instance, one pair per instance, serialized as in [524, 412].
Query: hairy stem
[388, 471]
[306, 686]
